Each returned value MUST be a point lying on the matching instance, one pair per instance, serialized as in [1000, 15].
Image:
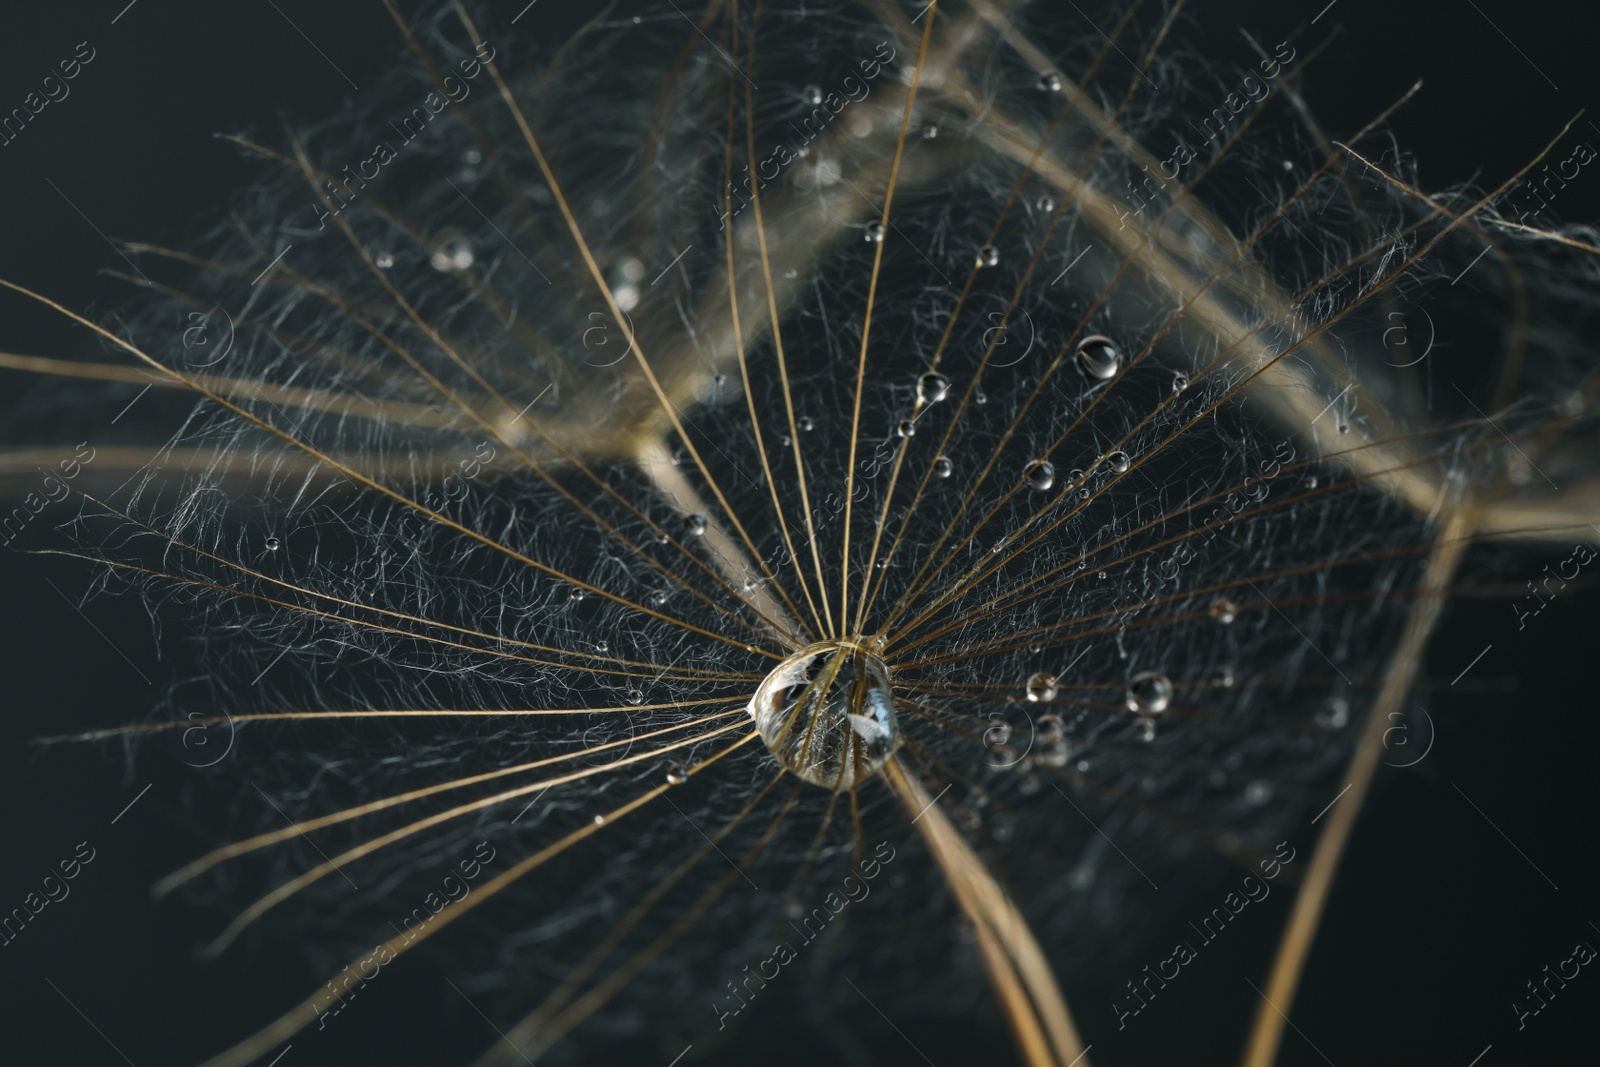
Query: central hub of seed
[827, 713]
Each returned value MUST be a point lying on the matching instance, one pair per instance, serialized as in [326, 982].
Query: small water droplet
[1041, 475]
[988, 256]
[791, 274]
[932, 387]
[676, 774]
[1149, 692]
[602, 647]
[980, 397]
[942, 467]
[812, 94]
[929, 132]
[1180, 382]
[1050, 82]
[599, 820]
[577, 594]
[1344, 427]
[1045, 203]
[874, 232]
[1224, 610]
[1118, 461]
[1223, 678]
[1098, 357]
[453, 252]
[1311, 481]
[1146, 730]
[1334, 714]
[697, 525]
[1041, 687]
[807, 423]
[385, 260]
[472, 157]
[273, 544]
[658, 598]
[907, 428]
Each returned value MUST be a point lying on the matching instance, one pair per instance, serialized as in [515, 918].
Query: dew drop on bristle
[677, 774]
[827, 713]
[873, 232]
[942, 467]
[273, 544]
[697, 525]
[1042, 687]
[907, 428]
[932, 387]
[1098, 358]
[1224, 610]
[1180, 382]
[988, 256]
[1041, 475]
[1149, 693]
[1118, 461]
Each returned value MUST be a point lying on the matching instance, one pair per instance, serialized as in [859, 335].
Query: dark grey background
[1436, 922]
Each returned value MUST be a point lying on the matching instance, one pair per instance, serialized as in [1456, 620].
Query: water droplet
[599, 820]
[1045, 203]
[602, 647]
[658, 598]
[1180, 382]
[1149, 692]
[907, 428]
[932, 387]
[942, 467]
[697, 525]
[662, 538]
[1344, 427]
[929, 132]
[1098, 357]
[1311, 481]
[1223, 678]
[812, 94]
[807, 423]
[384, 260]
[1334, 714]
[1050, 82]
[676, 774]
[980, 397]
[1118, 461]
[577, 594]
[1146, 730]
[452, 252]
[791, 274]
[1041, 475]
[827, 712]
[273, 544]
[988, 256]
[1041, 687]
[1224, 610]
[472, 157]
[874, 232]
[1257, 793]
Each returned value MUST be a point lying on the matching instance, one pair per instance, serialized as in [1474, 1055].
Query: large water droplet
[1041, 475]
[1224, 610]
[1098, 357]
[1180, 382]
[873, 232]
[677, 774]
[1118, 461]
[907, 428]
[1042, 687]
[826, 711]
[942, 467]
[1149, 693]
[932, 387]
[273, 544]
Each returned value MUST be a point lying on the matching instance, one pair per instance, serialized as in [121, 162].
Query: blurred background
[1470, 871]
